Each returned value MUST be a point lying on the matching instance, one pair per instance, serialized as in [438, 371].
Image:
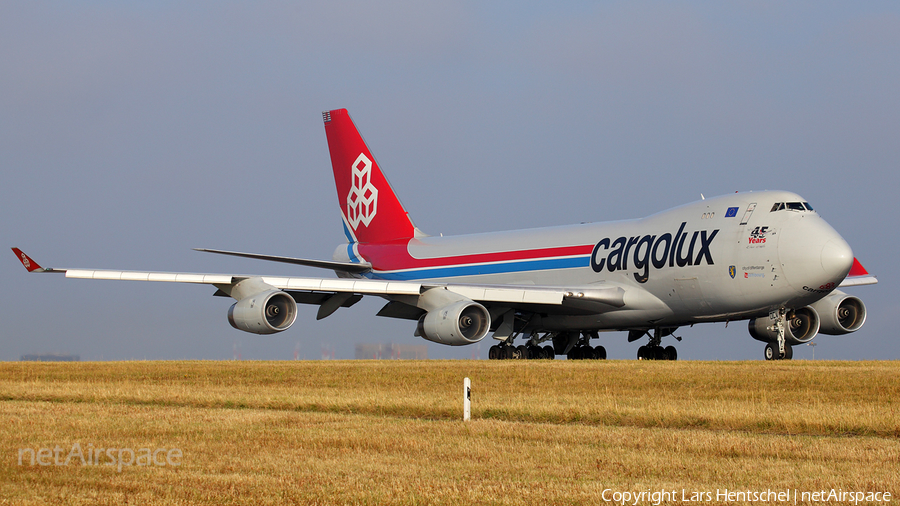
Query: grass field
[391, 432]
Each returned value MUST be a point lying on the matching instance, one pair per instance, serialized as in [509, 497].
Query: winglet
[29, 264]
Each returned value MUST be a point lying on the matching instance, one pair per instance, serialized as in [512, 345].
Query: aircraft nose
[813, 254]
[837, 257]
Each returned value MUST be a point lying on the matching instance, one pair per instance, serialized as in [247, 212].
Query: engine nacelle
[840, 313]
[266, 312]
[802, 325]
[460, 323]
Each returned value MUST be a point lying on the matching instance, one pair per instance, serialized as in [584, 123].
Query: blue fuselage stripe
[347, 232]
[480, 269]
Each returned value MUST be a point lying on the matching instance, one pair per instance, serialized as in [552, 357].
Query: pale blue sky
[133, 132]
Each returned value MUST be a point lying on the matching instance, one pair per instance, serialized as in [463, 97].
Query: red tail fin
[371, 210]
[858, 276]
[857, 269]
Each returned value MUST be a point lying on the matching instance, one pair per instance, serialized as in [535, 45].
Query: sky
[133, 132]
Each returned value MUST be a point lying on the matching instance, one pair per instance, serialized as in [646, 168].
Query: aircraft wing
[597, 298]
[506, 294]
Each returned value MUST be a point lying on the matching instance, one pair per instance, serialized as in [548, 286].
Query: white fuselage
[725, 258]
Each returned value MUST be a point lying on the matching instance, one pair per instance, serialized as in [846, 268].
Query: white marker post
[467, 400]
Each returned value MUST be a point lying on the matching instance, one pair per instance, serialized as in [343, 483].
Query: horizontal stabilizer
[322, 264]
[858, 276]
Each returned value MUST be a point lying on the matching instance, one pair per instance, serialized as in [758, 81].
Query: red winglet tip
[29, 264]
[857, 269]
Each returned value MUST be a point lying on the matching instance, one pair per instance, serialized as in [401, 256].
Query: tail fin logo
[362, 201]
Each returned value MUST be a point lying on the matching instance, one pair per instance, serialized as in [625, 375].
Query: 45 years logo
[758, 235]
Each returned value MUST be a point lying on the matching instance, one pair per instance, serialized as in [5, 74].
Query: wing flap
[512, 294]
[344, 285]
[597, 298]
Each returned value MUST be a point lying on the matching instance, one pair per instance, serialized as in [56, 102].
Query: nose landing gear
[772, 352]
[779, 350]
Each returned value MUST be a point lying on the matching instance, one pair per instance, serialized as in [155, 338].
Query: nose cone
[837, 258]
[814, 256]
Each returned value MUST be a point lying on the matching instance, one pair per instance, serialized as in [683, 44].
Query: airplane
[765, 256]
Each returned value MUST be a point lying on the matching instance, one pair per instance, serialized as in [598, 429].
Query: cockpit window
[793, 206]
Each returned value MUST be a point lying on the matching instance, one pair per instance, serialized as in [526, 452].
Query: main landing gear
[577, 346]
[505, 351]
[574, 345]
[654, 350]
[586, 352]
[657, 353]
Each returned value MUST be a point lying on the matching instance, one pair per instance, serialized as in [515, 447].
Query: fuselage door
[747, 214]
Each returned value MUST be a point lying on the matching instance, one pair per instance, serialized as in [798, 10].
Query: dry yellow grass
[391, 432]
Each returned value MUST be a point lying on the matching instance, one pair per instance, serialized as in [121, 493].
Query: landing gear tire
[772, 352]
[587, 353]
[671, 353]
[657, 353]
[549, 353]
[494, 352]
[522, 352]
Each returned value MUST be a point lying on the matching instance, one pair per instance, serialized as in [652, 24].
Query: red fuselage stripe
[391, 257]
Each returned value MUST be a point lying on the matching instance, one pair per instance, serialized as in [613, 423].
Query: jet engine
[840, 313]
[463, 322]
[266, 312]
[802, 325]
